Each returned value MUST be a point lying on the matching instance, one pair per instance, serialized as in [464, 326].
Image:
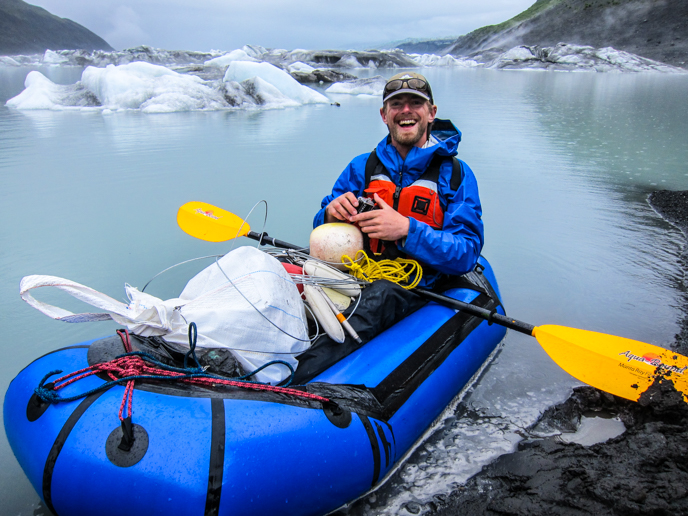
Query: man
[438, 219]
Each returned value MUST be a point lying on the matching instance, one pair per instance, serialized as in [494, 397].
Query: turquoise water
[564, 163]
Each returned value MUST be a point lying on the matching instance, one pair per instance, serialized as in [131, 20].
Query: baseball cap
[407, 82]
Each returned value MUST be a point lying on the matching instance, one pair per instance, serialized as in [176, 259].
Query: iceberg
[149, 87]
[54, 58]
[298, 66]
[371, 86]
[234, 55]
[42, 93]
[156, 89]
[266, 95]
[435, 60]
[565, 57]
[239, 71]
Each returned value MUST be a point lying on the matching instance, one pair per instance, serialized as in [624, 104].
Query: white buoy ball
[330, 242]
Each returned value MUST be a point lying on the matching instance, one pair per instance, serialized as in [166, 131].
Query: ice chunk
[349, 61]
[435, 60]
[241, 70]
[42, 93]
[234, 55]
[522, 53]
[7, 60]
[254, 50]
[298, 66]
[150, 87]
[370, 86]
[54, 58]
[266, 95]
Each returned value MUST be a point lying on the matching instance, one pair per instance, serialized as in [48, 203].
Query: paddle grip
[483, 313]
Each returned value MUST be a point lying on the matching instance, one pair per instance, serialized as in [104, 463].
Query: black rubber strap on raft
[400, 384]
[127, 435]
[375, 447]
[217, 457]
[386, 445]
[59, 444]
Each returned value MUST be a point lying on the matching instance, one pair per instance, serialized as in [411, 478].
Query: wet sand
[644, 471]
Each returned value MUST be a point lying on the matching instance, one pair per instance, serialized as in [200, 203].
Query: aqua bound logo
[208, 214]
[654, 360]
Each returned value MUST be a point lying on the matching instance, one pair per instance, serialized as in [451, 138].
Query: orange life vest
[419, 200]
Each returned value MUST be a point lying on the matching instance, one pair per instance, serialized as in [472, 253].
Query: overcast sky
[311, 24]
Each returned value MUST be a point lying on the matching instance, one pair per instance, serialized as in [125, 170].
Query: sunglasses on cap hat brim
[412, 85]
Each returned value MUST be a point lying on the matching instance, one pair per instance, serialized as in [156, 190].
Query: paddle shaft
[489, 315]
[264, 239]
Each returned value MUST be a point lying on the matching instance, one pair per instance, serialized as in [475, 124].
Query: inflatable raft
[224, 450]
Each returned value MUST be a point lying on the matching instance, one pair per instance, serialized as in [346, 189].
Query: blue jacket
[456, 247]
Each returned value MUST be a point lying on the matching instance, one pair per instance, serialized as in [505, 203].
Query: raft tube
[230, 451]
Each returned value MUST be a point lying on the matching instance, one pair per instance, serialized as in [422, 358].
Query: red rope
[134, 365]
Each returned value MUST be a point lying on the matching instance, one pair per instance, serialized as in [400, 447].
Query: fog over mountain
[27, 29]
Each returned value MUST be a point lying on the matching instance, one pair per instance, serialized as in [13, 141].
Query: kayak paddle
[213, 224]
[620, 366]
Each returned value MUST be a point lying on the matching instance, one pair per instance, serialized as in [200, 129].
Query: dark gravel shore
[644, 471]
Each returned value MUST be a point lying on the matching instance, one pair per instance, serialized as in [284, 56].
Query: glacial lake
[564, 161]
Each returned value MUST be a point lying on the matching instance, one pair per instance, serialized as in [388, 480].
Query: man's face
[407, 116]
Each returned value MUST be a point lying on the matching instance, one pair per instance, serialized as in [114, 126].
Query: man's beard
[407, 139]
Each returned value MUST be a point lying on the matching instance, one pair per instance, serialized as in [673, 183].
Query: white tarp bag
[258, 315]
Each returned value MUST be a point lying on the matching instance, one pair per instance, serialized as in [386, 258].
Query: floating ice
[349, 61]
[51, 57]
[267, 95]
[434, 60]
[371, 86]
[567, 57]
[562, 57]
[42, 93]
[7, 60]
[234, 55]
[151, 88]
[298, 66]
[157, 89]
[241, 70]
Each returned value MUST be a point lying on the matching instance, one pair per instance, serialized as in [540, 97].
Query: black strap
[457, 174]
[374, 167]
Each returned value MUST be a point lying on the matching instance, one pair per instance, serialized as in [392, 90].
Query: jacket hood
[444, 141]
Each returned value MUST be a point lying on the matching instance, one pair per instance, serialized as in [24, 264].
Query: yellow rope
[395, 271]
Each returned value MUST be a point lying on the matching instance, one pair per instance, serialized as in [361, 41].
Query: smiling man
[429, 208]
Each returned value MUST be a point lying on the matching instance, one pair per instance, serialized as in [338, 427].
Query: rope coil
[397, 271]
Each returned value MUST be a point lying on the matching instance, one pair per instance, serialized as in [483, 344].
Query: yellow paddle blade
[623, 367]
[208, 222]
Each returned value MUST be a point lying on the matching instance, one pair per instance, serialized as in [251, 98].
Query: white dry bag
[258, 315]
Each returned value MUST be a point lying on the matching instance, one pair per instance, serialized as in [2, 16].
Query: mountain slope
[27, 29]
[656, 29]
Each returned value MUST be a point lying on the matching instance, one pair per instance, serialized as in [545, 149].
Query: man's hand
[384, 224]
[342, 208]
